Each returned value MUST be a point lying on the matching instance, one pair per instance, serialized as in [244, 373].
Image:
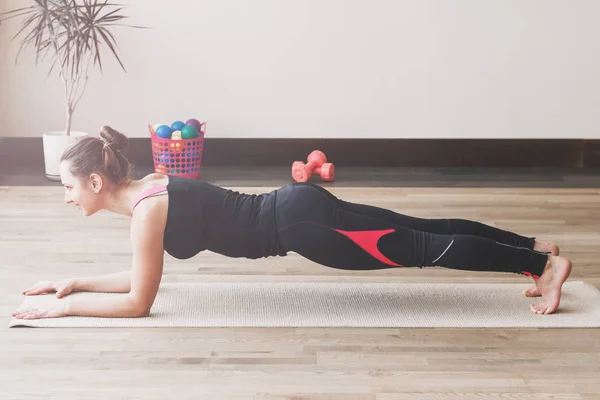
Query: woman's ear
[96, 183]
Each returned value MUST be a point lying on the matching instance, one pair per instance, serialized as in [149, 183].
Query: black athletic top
[202, 216]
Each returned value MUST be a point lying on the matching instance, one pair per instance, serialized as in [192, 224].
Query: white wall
[337, 69]
[3, 83]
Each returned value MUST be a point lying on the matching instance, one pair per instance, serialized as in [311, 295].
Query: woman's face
[80, 193]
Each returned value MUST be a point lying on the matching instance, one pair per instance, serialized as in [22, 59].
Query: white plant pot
[55, 143]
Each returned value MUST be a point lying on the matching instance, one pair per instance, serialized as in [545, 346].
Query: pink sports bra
[148, 193]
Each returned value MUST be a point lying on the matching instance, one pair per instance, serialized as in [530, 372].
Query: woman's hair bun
[115, 139]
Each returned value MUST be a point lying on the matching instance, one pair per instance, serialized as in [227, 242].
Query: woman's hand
[57, 310]
[62, 288]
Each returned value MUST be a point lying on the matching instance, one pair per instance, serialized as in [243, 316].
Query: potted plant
[72, 32]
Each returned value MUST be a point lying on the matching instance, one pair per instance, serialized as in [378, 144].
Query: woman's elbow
[142, 313]
[140, 308]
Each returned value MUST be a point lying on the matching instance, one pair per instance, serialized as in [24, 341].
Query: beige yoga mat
[293, 304]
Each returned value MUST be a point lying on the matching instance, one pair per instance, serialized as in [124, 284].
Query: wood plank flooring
[41, 238]
[364, 177]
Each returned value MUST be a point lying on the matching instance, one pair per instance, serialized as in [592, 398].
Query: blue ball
[164, 131]
[177, 125]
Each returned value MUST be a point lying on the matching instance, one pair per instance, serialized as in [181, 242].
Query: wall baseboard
[24, 152]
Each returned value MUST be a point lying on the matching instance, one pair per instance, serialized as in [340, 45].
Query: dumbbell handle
[311, 166]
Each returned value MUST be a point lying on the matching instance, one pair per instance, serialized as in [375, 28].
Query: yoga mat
[293, 304]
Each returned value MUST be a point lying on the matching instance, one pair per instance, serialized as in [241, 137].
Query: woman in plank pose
[186, 216]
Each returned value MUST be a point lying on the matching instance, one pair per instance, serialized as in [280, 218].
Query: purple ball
[195, 123]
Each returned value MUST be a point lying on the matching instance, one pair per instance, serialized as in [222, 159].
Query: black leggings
[327, 230]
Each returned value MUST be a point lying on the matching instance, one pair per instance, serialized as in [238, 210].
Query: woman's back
[203, 216]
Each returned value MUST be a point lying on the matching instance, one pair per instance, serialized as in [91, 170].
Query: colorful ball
[177, 125]
[189, 132]
[164, 131]
[195, 123]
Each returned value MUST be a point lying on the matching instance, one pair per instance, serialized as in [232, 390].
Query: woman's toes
[538, 308]
[533, 291]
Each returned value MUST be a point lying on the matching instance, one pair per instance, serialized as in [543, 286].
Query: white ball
[176, 135]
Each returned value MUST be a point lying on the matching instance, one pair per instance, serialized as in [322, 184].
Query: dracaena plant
[71, 33]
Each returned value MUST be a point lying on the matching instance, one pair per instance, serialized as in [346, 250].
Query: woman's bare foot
[543, 247]
[546, 247]
[533, 291]
[555, 273]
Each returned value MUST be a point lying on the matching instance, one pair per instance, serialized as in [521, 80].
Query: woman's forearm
[121, 306]
[119, 282]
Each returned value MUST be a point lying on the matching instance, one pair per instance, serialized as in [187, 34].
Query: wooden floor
[43, 239]
[363, 177]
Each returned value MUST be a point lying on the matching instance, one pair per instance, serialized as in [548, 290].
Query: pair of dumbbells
[317, 164]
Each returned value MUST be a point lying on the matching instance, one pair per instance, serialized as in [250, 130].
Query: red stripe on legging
[367, 240]
[530, 274]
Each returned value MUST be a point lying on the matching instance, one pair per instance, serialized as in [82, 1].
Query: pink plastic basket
[178, 157]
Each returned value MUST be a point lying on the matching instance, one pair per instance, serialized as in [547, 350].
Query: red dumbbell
[317, 164]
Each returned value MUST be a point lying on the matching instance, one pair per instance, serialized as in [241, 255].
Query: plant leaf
[70, 32]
